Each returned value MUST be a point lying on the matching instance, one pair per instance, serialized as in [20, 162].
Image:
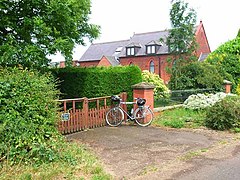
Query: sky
[120, 19]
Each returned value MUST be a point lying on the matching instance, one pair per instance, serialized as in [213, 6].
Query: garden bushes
[28, 115]
[238, 88]
[224, 114]
[202, 101]
[160, 90]
[97, 81]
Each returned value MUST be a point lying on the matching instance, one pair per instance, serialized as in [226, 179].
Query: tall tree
[181, 39]
[32, 29]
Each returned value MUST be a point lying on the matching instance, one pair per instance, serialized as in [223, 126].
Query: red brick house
[144, 50]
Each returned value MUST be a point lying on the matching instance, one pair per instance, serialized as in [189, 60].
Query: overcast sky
[120, 19]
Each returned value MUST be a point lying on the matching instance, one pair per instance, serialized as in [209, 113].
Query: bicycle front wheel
[114, 117]
[143, 116]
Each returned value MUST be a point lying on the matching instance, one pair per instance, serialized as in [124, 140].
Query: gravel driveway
[132, 152]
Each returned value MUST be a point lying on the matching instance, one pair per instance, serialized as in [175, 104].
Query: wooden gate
[83, 113]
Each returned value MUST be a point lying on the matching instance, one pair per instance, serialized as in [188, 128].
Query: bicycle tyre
[114, 117]
[143, 116]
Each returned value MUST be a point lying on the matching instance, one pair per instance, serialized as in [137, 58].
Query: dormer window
[151, 49]
[130, 51]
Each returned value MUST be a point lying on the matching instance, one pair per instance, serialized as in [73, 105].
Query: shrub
[197, 75]
[238, 88]
[28, 114]
[202, 101]
[160, 90]
[224, 114]
[97, 81]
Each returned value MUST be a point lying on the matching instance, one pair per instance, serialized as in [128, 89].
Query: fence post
[227, 85]
[144, 90]
[85, 111]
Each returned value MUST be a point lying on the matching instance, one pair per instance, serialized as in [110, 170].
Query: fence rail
[83, 113]
[179, 96]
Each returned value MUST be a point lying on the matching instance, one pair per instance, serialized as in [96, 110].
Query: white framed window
[130, 51]
[151, 49]
[151, 67]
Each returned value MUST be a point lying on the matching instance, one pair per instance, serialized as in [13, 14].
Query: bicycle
[142, 115]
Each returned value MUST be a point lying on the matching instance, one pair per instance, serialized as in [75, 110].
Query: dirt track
[132, 152]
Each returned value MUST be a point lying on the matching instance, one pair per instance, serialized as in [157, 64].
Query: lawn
[180, 118]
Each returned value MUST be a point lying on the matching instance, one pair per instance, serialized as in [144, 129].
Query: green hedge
[97, 81]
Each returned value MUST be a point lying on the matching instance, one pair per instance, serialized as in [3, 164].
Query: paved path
[132, 152]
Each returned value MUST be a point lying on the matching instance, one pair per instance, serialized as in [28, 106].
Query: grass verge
[79, 163]
[180, 118]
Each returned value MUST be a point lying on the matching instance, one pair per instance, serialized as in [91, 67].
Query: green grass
[84, 165]
[180, 118]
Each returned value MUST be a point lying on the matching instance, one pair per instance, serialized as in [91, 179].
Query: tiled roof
[113, 60]
[96, 51]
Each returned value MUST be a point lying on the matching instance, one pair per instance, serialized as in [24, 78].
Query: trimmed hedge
[97, 81]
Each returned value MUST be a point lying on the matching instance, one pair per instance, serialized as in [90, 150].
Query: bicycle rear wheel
[114, 117]
[143, 116]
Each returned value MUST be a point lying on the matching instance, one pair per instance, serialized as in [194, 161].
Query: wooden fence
[83, 113]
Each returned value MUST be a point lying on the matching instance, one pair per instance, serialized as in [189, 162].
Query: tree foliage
[197, 75]
[181, 39]
[227, 58]
[32, 29]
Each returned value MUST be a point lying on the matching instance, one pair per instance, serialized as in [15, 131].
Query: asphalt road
[132, 152]
[225, 170]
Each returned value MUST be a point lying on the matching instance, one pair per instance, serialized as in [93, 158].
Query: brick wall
[201, 39]
[160, 64]
[89, 63]
[104, 62]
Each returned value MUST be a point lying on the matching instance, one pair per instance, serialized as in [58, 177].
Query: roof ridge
[152, 32]
[110, 42]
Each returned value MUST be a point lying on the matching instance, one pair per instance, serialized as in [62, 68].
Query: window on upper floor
[151, 49]
[151, 67]
[130, 51]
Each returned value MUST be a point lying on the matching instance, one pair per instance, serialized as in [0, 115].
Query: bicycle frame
[129, 116]
[126, 103]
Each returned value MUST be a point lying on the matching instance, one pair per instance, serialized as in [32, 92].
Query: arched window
[151, 67]
[131, 64]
